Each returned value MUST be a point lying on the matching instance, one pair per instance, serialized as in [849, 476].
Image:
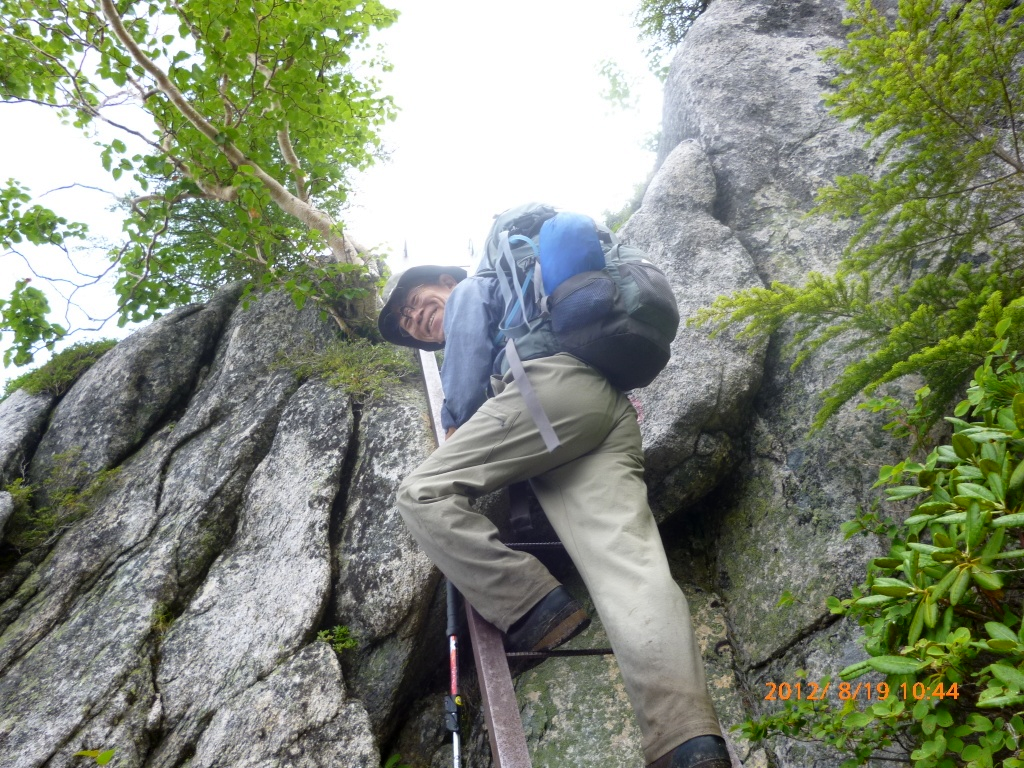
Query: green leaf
[993, 546]
[931, 611]
[1009, 675]
[984, 435]
[892, 591]
[916, 519]
[856, 670]
[858, 719]
[1006, 521]
[920, 709]
[945, 583]
[1017, 478]
[885, 581]
[896, 665]
[928, 549]
[904, 492]
[1018, 410]
[872, 600]
[965, 447]
[960, 584]
[986, 578]
[886, 562]
[1003, 646]
[956, 517]
[975, 491]
[975, 527]
[974, 752]
[1000, 702]
[999, 631]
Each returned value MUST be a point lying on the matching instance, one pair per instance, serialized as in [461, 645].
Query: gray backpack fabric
[620, 319]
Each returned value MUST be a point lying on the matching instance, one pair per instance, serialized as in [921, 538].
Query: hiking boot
[698, 752]
[552, 621]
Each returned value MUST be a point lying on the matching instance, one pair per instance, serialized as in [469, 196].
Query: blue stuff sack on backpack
[567, 245]
[609, 306]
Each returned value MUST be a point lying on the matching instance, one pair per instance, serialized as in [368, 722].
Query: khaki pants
[592, 491]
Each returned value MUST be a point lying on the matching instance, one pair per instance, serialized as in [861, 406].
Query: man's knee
[416, 490]
[406, 495]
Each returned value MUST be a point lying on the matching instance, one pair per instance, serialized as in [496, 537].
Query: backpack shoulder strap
[530, 399]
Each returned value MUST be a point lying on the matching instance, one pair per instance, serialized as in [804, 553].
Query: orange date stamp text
[806, 690]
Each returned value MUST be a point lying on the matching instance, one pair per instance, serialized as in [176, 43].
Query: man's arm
[469, 320]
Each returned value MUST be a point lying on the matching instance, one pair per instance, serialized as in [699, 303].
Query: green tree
[663, 24]
[937, 260]
[256, 114]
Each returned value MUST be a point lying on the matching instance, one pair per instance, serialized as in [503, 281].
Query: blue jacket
[472, 316]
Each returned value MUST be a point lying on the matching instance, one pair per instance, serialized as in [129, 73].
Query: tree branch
[977, 136]
[312, 217]
[284, 139]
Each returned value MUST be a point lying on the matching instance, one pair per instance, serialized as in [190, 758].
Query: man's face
[422, 314]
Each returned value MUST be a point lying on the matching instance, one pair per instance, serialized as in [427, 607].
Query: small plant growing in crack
[101, 756]
[163, 619]
[365, 370]
[35, 526]
[339, 638]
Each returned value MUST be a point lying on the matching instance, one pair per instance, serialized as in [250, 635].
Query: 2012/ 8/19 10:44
[812, 691]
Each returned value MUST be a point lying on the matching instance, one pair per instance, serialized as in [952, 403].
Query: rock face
[222, 516]
[746, 89]
[695, 412]
[24, 417]
[130, 390]
[197, 582]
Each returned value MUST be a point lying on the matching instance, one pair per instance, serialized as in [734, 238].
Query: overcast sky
[500, 103]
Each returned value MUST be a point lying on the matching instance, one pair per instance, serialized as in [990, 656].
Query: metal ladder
[501, 710]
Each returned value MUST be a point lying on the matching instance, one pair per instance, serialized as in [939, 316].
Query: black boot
[557, 617]
[698, 752]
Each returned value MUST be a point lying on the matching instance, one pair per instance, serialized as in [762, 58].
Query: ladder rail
[501, 710]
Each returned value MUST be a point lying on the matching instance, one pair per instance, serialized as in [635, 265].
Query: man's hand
[450, 432]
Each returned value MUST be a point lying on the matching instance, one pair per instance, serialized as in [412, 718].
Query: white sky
[500, 103]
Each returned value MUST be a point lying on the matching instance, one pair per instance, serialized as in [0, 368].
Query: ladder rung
[523, 545]
[560, 652]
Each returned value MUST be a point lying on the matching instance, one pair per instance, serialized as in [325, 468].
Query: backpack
[570, 286]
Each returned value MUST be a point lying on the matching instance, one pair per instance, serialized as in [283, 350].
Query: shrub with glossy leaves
[942, 611]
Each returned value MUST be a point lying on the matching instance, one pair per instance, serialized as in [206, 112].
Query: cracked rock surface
[746, 90]
[695, 411]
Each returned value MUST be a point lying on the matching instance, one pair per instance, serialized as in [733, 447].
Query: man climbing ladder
[590, 487]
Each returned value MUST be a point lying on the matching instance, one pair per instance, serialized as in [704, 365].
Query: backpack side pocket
[583, 299]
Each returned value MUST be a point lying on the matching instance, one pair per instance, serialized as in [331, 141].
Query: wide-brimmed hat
[395, 291]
